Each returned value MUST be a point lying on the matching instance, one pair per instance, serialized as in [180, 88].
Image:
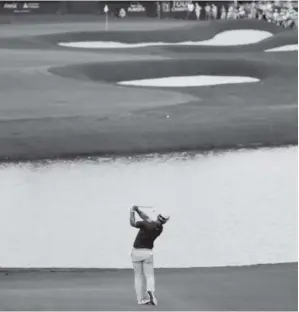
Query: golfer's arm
[132, 218]
[143, 215]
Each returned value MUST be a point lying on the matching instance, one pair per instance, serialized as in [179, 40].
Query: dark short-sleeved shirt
[147, 234]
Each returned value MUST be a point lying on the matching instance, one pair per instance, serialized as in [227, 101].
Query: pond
[227, 208]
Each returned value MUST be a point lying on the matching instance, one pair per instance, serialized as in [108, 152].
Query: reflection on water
[232, 208]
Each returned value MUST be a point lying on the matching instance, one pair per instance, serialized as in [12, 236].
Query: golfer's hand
[134, 208]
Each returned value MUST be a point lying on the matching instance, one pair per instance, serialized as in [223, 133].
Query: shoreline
[178, 269]
[142, 154]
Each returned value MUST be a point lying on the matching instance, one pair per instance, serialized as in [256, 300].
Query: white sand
[234, 208]
[288, 47]
[189, 81]
[235, 37]
[225, 38]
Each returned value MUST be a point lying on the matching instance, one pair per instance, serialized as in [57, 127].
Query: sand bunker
[235, 37]
[188, 81]
[225, 38]
[288, 47]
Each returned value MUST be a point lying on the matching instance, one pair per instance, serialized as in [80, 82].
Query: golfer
[142, 254]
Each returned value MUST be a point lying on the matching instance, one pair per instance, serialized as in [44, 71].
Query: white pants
[143, 264]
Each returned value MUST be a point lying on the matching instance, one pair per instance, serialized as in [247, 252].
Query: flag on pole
[106, 10]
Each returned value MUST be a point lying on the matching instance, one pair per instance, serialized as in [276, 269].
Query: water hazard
[232, 208]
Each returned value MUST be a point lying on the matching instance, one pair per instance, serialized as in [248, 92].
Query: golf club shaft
[146, 207]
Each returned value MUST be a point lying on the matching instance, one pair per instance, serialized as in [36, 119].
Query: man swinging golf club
[142, 254]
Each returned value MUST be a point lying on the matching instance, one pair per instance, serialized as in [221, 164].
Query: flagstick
[106, 10]
[106, 24]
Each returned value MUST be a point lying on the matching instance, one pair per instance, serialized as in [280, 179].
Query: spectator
[260, 13]
[269, 7]
[236, 13]
[197, 11]
[275, 17]
[289, 5]
[223, 13]
[230, 12]
[158, 6]
[190, 9]
[208, 11]
[253, 11]
[214, 11]
[241, 12]
[122, 13]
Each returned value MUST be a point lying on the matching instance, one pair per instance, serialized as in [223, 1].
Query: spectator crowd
[283, 13]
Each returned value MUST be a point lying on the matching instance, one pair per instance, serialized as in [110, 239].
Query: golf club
[146, 207]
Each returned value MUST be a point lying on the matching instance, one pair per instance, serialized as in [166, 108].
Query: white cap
[163, 217]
